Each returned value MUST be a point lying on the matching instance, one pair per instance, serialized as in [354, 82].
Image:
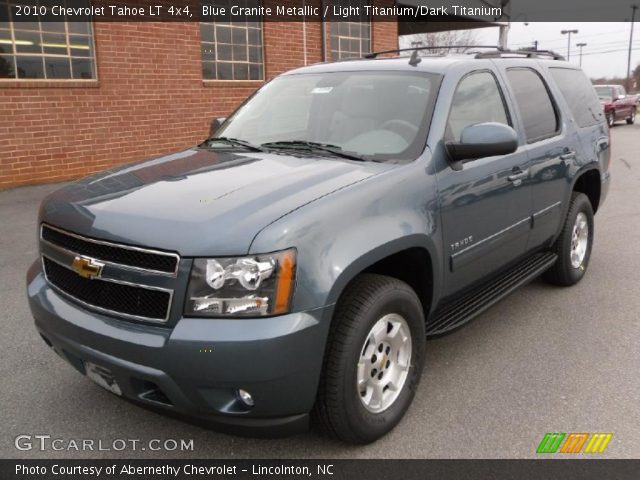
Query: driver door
[486, 206]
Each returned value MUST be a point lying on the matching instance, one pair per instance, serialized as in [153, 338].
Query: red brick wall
[149, 99]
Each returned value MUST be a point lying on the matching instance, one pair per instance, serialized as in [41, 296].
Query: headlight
[242, 286]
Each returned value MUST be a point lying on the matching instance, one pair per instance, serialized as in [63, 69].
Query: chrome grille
[108, 296]
[133, 283]
[123, 255]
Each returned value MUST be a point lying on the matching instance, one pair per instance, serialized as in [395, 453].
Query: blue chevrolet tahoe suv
[291, 267]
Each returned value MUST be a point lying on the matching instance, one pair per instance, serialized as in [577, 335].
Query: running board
[457, 312]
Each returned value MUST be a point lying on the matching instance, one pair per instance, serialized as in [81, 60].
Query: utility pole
[503, 39]
[580, 45]
[633, 18]
[564, 32]
[535, 44]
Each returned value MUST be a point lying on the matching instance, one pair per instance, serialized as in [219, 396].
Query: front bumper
[195, 368]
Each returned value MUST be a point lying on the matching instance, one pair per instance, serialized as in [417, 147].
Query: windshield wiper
[324, 147]
[235, 142]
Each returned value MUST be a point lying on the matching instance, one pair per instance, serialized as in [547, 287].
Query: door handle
[518, 176]
[570, 155]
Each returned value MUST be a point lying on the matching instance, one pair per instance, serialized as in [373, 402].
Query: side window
[579, 95]
[477, 100]
[534, 103]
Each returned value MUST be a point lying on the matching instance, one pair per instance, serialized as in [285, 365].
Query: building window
[232, 50]
[350, 39]
[43, 49]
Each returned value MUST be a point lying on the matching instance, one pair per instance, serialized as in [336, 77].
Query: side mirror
[482, 140]
[216, 123]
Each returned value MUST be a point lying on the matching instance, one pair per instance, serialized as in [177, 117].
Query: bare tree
[463, 38]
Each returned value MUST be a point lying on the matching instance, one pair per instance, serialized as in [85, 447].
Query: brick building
[78, 98]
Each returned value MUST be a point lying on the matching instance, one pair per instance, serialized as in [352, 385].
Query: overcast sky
[607, 43]
[604, 56]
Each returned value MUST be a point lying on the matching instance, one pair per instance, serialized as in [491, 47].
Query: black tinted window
[535, 105]
[579, 94]
[477, 100]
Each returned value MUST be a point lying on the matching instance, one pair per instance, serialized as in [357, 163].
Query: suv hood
[198, 202]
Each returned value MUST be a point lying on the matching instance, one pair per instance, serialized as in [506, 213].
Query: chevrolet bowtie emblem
[87, 267]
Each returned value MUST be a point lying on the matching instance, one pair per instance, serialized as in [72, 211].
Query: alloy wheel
[579, 240]
[384, 363]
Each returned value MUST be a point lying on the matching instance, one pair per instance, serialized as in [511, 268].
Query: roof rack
[496, 52]
[528, 53]
[435, 47]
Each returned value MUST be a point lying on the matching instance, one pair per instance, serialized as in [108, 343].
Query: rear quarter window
[537, 110]
[579, 95]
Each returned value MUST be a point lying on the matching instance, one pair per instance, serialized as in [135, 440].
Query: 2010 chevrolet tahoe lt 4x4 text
[291, 267]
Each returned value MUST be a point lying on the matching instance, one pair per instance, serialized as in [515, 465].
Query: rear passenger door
[486, 206]
[551, 146]
[587, 117]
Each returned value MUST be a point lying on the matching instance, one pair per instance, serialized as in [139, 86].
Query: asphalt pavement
[545, 359]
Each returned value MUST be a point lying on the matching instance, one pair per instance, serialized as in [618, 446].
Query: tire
[341, 409]
[569, 269]
[632, 118]
[611, 118]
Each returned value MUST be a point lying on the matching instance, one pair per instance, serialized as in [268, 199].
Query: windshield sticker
[322, 90]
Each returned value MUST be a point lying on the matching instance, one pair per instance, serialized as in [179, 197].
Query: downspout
[304, 31]
[323, 33]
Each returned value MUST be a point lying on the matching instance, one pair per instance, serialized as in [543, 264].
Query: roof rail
[528, 53]
[435, 47]
[495, 51]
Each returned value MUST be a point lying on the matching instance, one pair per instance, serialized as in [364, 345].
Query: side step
[458, 311]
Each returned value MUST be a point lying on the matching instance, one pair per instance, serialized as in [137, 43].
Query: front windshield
[604, 93]
[375, 115]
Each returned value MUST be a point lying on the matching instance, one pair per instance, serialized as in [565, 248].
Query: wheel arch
[589, 182]
[409, 259]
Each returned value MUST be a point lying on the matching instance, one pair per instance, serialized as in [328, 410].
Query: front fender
[381, 251]
[340, 235]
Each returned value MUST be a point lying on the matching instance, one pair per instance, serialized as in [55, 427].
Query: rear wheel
[373, 360]
[632, 118]
[611, 118]
[573, 246]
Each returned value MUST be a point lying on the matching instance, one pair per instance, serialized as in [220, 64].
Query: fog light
[246, 397]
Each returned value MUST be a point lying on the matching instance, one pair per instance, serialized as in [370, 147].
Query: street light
[580, 45]
[564, 32]
[633, 18]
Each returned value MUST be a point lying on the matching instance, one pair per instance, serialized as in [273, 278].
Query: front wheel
[632, 118]
[573, 246]
[611, 118]
[373, 360]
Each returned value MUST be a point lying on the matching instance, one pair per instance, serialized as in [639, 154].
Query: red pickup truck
[617, 104]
